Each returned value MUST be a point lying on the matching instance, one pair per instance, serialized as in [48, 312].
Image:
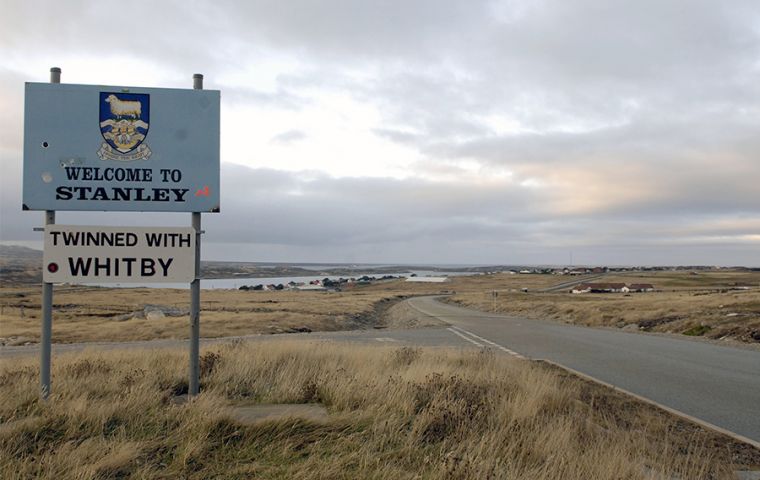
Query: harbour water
[236, 283]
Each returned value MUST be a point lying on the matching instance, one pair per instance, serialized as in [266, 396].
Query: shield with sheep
[124, 121]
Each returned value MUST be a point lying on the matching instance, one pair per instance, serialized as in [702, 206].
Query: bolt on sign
[79, 254]
[89, 147]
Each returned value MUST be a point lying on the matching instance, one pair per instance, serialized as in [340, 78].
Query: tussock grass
[684, 280]
[87, 314]
[95, 314]
[697, 305]
[394, 414]
[715, 315]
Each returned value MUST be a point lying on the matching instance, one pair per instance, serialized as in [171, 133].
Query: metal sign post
[195, 311]
[195, 291]
[47, 298]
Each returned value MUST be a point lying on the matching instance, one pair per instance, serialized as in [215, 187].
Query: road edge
[678, 413]
[673, 411]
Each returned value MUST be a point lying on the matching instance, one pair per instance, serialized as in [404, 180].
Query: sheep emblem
[124, 108]
[124, 120]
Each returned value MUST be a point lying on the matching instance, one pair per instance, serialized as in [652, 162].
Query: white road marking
[457, 331]
[385, 339]
[451, 329]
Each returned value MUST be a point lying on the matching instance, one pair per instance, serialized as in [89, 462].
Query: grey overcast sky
[434, 131]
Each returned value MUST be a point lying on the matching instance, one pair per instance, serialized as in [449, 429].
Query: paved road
[716, 384]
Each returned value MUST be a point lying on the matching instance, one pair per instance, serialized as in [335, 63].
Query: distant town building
[612, 288]
[428, 279]
[641, 287]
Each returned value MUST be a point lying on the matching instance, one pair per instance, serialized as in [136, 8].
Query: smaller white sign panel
[85, 254]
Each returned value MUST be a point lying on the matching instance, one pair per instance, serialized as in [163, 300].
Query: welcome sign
[89, 147]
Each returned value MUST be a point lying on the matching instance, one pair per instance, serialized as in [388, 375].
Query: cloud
[288, 137]
[11, 110]
[309, 216]
[282, 98]
[312, 212]
[481, 130]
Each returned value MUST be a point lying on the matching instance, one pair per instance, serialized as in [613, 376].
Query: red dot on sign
[52, 267]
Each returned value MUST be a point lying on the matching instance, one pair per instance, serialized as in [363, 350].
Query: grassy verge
[729, 315]
[394, 414]
[108, 314]
[706, 305]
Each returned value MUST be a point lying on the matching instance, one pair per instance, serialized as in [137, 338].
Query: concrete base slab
[748, 475]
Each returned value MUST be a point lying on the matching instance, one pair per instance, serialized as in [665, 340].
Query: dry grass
[732, 315]
[684, 280]
[94, 314]
[698, 305]
[97, 314]
[394, 414]
[695, 304]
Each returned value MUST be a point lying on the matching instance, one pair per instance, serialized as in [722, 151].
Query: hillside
[20, 264]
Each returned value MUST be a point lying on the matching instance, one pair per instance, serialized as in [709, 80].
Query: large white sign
[79, 254]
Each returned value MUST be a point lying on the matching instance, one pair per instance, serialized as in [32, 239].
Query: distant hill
[17, 252]
[20, 265]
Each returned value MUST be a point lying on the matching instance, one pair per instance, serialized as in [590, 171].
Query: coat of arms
[124, 120]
